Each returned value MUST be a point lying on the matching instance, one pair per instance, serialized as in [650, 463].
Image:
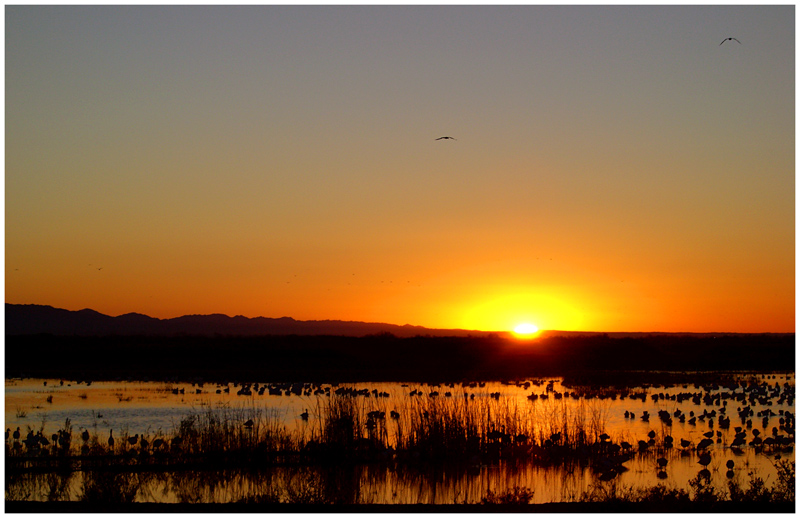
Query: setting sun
[526, 329]
[507, 308]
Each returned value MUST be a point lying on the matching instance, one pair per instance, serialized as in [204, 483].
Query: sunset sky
[614, 168]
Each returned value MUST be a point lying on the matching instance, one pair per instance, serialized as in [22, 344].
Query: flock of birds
[62, 439]
[775, 441]
[315, 389]
[712, 407]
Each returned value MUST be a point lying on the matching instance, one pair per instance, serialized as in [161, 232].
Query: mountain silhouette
[46, 342]
[26, 319]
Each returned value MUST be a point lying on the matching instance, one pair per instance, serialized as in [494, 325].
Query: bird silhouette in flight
[729, 39]
[445, 138]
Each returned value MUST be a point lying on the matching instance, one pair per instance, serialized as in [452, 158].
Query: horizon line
[509, 332]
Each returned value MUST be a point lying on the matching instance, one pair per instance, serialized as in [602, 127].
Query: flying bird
[444, 138]
[729, 39]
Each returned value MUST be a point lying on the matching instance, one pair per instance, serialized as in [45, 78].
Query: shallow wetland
[539, 440]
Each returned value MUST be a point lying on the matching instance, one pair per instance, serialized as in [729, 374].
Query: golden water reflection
[151, 407]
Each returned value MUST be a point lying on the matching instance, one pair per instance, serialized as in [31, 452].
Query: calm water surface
[155, 409]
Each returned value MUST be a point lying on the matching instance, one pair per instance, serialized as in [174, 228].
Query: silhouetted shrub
[512, 496]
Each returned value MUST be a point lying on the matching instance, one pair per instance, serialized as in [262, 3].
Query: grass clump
[224, 432]
[512, 496]
[341, 425]
[757, 490]
[443, 428]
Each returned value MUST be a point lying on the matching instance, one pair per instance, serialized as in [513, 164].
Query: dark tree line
[383, 357]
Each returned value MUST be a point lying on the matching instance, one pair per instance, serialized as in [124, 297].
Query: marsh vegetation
[468, 443]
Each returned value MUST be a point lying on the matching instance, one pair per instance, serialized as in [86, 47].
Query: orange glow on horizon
[505, 312]
[463, 300]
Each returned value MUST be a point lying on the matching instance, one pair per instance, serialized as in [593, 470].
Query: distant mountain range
[26, 319]
[42, 341]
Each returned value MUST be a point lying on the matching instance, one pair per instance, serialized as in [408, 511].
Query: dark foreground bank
[575, 507]
[385, 357]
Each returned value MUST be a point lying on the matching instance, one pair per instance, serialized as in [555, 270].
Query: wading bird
[111, 438]
[705, 443]
[731, 39]
[738, 441]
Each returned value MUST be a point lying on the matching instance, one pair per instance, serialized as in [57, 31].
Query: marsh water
[155, 409]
